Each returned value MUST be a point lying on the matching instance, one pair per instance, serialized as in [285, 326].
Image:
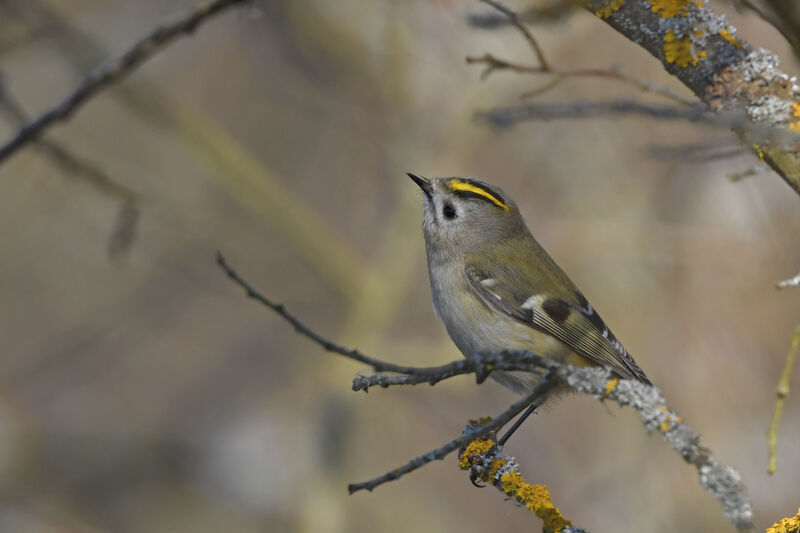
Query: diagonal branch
[702, 50]
[114, 71]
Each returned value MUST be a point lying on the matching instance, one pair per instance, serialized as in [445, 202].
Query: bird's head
[465, 215]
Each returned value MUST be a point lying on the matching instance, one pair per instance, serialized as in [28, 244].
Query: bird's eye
[449, 211]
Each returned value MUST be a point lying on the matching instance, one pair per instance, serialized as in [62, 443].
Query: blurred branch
[723, 482]
[550, 11]
[237, 171]
[504, 117]
[782, 392]
[114, 71]
[487, 463]
[791, 282]
[758, 168]
[124, 229]
[513, 19]
[696, 152]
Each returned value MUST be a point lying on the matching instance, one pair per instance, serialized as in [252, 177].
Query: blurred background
[141, 392]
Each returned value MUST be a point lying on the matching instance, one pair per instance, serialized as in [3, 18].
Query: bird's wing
[576, 323]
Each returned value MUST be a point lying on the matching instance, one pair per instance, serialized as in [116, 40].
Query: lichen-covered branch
[114, 71]
[702, 50]
[487, 463]
[782, 392]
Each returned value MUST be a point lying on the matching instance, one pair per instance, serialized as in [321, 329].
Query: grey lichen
[723, 482]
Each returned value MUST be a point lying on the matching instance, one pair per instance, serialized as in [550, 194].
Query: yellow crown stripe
[459, 185]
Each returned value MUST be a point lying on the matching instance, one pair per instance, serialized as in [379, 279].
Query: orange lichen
[786, 525]
[725, 34]
[535, 498]
[671, 8]
[679, 51]
[664, 427]
[475, 447]
[608, 8]
[611, 385]
[795, 125]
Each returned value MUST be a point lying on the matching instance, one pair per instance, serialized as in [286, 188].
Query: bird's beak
[423, 183]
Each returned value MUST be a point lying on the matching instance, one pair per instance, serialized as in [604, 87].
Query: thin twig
[493, 63]
[547, 383]
[481, 365]
[782, 392]
[514, 19]
[114, 71]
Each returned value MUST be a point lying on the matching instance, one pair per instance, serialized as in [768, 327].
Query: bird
[496, 289]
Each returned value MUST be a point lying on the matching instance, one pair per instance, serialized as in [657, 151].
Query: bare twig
[512, 17]
[541, 390]
[480, 365]
[791, 282]
[782, 392]
[493, 63]
[114, 71]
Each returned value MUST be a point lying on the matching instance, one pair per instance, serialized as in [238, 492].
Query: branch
[701, 49]
[782, 392]
[723, 482]
[486, 462]
[115, 71]
[512, 17]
